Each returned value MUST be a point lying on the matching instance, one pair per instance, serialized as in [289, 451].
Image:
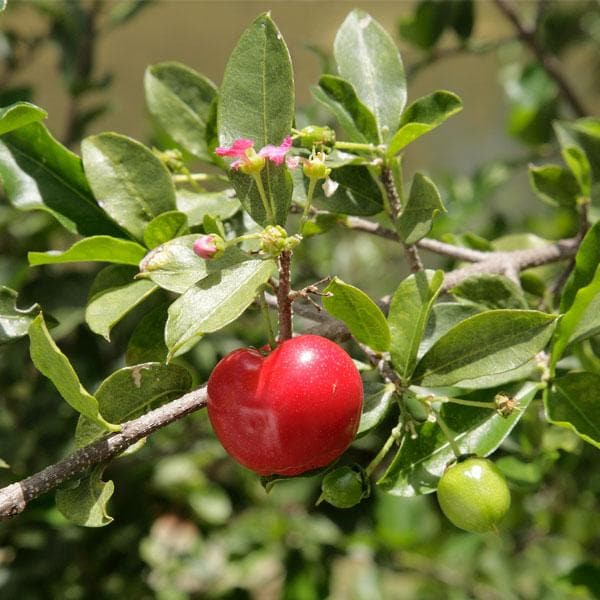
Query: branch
[15, 497]
[549, 63]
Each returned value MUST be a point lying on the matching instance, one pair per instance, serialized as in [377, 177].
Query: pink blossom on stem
[205, 246]
[237, 149]
[276, 153]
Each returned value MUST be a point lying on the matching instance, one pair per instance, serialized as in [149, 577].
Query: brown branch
[410, 250]
[15, 497]
[284, 302]
[549, 63]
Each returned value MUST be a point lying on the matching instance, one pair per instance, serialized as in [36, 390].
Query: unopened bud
[274, 240]
[208, 246]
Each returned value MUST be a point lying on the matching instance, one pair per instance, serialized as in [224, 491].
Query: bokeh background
[188, 522]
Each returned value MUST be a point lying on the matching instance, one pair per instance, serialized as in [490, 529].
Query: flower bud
[208, 246]
[274, 240]
[316, 136]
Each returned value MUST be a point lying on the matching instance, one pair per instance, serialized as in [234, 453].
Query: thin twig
[15, 497]
[549, 63]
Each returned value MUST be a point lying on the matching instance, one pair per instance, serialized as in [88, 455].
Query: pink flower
[276, 153]
[248, 161]
[205, 246]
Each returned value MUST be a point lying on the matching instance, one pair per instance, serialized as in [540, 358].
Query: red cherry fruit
[292, 411]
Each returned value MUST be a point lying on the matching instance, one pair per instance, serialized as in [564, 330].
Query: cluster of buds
[274, 240]
[172, 159]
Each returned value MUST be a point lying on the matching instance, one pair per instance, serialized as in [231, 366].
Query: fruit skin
[474, 495]
[295, 410]
[344, 487]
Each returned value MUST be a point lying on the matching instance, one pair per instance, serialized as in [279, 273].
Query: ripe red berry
[292, 411]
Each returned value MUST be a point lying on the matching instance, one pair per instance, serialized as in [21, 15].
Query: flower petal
[237, 149]
[276, 154]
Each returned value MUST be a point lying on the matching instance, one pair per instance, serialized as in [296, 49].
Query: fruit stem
[472, 403]
[263, 196]
[448, 435]
[284, 301]
[264, 308]
[397, 435]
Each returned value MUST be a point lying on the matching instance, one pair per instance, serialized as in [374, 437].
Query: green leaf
[490, 291]
[175, 266]
[367, 57]
[580, 321]
[130, 392]
[356, 194]
[579, 164]
[256, 101]
[573, 402]
[485, 344]
[54, 365]
[85, 504]
[180, 100]
[424, 202]
[214, 302]
[362, 316]
[443, 317]
[128, 180]
[196, 205]
[98, 248]
[409, 312]
[147, 342]
[112, 295]
[463, 17]
[422, 459]
[587, 260]
[165, 227]
[554, 185]
[19, 114]
[425, 26]
[422, 116]
[338, 95]
[376, 403]
[39, 173]
[14, 321]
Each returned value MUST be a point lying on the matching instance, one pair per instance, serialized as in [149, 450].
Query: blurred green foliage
[189, 523]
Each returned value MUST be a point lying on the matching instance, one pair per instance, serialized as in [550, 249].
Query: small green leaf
[256, 101]
[214, 302]
[39, 173]
[580, 321]
[362, 316]
[463, 18]
[573, 402]
[128, 180]
[554, 185]
[587, 260]
[195, 205]
[490, 291]
[422, 459]
[485, 344]
[422, 116]
[147, 342]
[356, 194]
[180, 100]
[14, 321]
[424, 202]
[112, 295]
[85, 504]
[579, 164]
[165, 227]
[367, 57]
[19, 114]
[98, 248]
[130, 392]
[338, 95]
[376, 403]
[54, 365]
[409, 312]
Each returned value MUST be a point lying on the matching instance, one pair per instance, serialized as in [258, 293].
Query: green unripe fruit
[343, 487]
[473, 495]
